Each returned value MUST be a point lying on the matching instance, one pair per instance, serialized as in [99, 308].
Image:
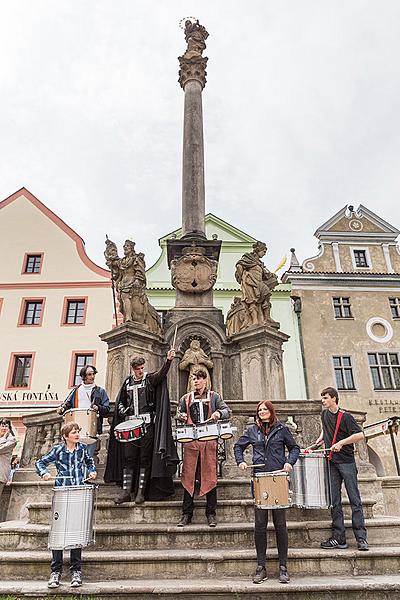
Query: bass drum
[271, 490]
[72, 517]
[310, 482]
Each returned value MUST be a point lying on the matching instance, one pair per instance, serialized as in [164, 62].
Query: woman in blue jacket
[269, 439]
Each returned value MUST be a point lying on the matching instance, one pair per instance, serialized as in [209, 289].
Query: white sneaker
[54, 580]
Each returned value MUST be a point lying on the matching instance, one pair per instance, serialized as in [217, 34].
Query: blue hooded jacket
[268, 450]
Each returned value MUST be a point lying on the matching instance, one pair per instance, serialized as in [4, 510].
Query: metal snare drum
[87, 421]
[271, 490]
[207, 431]
[310, 482]
[225, 430]
[185, 433]
[129, 431]
[72, 517]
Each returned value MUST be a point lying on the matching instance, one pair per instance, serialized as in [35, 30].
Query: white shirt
[84, 393]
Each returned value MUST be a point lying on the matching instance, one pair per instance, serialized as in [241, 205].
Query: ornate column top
[192, 63]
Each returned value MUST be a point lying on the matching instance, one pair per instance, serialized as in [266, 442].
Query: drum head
[128, 425]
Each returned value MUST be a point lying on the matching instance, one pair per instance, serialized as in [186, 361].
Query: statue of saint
[257, 284]
[237, 318]
[129, 277]
[195, 36]
[193, 359]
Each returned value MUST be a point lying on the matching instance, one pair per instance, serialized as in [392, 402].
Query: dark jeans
[139, 453]
[75, 560]
[260, 534]
[346, 472]
[211, 505]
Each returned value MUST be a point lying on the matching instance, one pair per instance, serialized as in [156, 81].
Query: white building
[54, 302]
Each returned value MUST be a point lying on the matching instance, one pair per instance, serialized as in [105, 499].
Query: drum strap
[339, 418]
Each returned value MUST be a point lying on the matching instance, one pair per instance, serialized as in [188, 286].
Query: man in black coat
[145, 466]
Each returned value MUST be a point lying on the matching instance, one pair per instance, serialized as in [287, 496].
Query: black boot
[143, 475]
[125, 494]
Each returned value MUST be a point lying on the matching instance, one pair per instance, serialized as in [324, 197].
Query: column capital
[192, 69]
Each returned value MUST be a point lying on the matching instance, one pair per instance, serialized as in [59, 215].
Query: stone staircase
[140, 553]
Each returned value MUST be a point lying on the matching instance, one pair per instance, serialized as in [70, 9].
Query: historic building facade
[348, 302]
[54, 302]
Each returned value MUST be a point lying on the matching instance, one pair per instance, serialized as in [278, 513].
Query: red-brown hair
[273, 418]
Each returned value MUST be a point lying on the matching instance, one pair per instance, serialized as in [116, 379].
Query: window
[33, 263]
[343, 372]
[341, 307]
[79, 360]
[74, 311]
[360, 258]
[32, 312]
[21, 370]
[385, 370]
[394, 304]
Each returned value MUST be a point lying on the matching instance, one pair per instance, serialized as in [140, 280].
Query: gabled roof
[221, 224]
[80, 244]
[348, 223]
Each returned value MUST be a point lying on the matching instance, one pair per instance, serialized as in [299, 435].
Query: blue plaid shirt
[76, 465]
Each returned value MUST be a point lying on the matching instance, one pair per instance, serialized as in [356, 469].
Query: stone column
[193, 196]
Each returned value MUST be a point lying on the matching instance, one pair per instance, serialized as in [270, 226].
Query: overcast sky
[301, 114]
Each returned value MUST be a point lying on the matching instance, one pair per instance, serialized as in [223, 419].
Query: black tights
[260, 534]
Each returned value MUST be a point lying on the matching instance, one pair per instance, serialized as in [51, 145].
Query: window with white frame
[385, 370]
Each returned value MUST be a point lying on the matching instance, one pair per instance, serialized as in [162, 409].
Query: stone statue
[237, 317]
[193, 359]
[195, 36]
[129, 277]
[257, 284]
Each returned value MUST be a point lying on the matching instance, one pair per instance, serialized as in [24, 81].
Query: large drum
[87, 421]
[271, 490]
[129, 431]
[72, 517]
[310, 482]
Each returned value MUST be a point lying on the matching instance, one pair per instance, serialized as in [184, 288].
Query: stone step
[212, 563]
[300, 588]
[27, 536]
[229, 511]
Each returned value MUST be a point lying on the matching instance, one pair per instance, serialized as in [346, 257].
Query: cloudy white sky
[301, 114]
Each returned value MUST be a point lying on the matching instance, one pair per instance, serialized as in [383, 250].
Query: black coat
[165, 458]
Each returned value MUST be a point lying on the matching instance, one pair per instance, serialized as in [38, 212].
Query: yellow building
[54, 302]
[348, 301]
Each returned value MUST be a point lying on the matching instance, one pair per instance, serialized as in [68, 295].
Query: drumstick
[259, 465]
[174, 340]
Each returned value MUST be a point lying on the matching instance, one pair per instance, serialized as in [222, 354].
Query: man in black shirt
[342, 468]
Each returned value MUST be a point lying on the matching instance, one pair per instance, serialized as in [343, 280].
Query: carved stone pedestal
[124, 342]
[253, 369]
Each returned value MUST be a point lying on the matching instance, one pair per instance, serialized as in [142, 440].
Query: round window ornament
[356, 225]
[379, 330]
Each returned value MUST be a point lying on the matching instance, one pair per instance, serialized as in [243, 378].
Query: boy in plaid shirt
[72, 462]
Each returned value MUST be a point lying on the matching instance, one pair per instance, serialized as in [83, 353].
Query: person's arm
[294, 451]
[351, 439]
[67, 404]
[181, 413]
[8, 445]
[158, 376]
[121, 402]
[102, 402]
[90, 465]
[42, 463]
[222, 410]
[239, 448]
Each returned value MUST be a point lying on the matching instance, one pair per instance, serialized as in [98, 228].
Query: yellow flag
[283, 261]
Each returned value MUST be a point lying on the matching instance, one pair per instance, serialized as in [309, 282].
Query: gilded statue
[256, 283]
[129, 278]
[193, 359]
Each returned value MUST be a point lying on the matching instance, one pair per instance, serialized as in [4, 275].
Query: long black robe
[165, 458]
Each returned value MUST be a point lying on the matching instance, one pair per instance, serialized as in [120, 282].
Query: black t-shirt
[348, 426]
